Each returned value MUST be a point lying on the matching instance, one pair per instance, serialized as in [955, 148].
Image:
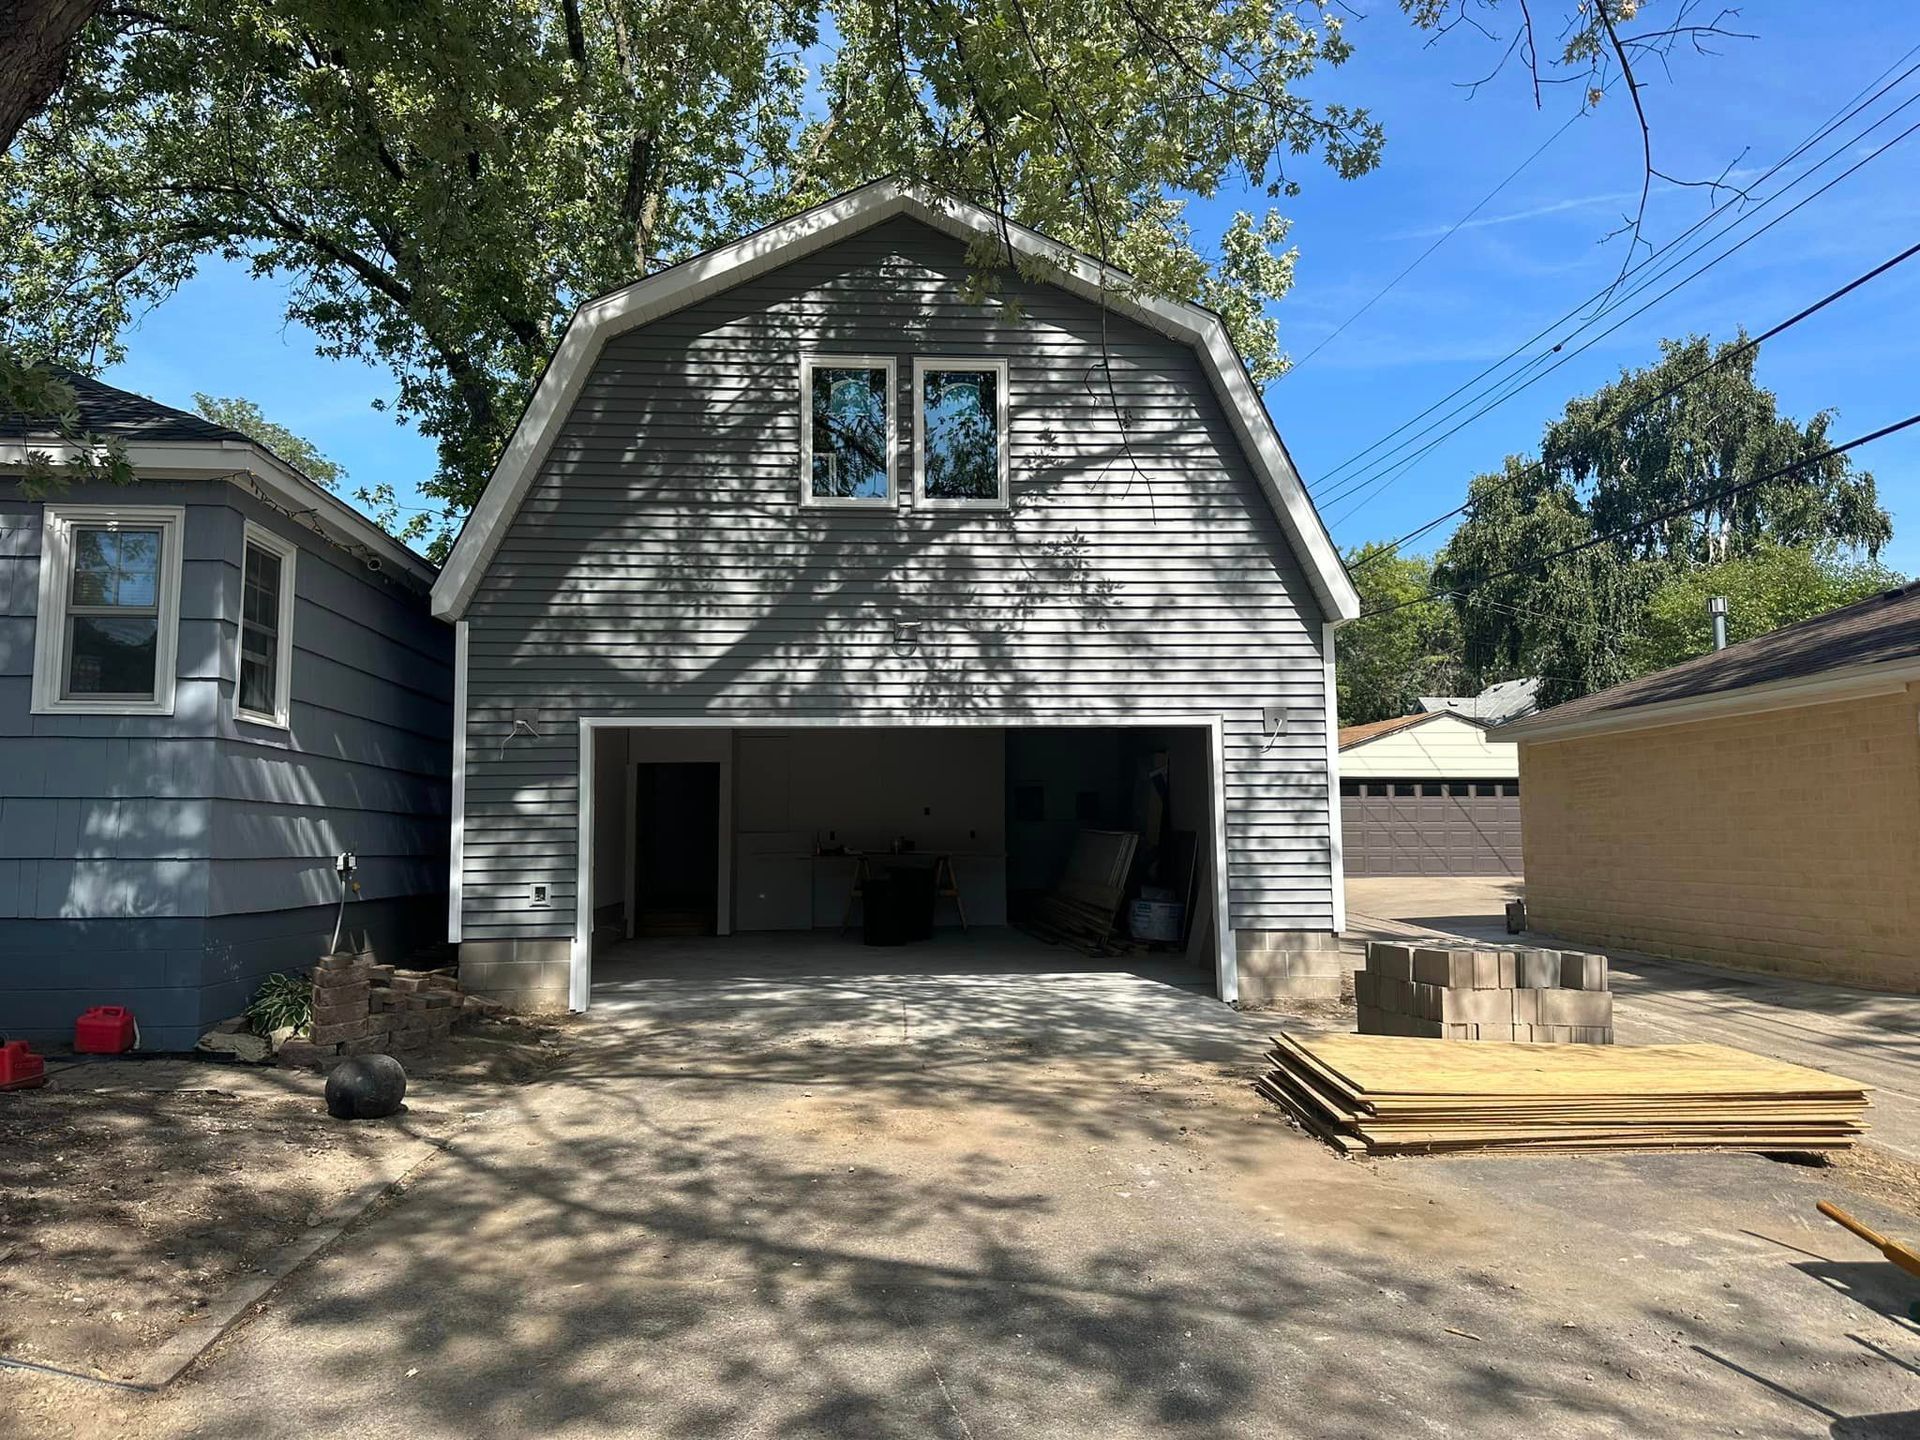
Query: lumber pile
[1083, 908]
[1459, 990]
[1395, 1095]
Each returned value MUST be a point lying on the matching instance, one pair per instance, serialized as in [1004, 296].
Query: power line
[1445, 236]
[1847, 112]
[1671, 513]
[1731, 353]
[1376, 478]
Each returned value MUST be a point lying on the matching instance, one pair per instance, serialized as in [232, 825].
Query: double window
[264, 673]
[109, 618]
[849, 454]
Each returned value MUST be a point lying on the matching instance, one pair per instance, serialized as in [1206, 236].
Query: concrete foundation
[1289, 964]
[526, 975]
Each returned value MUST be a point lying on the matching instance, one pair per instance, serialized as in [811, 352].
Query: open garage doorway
[1015, 844]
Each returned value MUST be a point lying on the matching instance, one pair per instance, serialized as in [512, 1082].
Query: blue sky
[1531, 254]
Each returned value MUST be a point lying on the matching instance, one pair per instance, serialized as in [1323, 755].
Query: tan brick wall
[1786, 842]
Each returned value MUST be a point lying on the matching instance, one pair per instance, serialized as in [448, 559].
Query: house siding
[661, 565]
[1443, 749]
[167, 862]
[1787, 841]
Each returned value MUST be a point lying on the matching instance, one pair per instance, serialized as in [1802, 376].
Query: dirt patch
[1878, 1175]
[137, 1192]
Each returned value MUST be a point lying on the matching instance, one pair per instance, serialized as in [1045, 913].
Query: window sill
[265, 722]
[103, 707]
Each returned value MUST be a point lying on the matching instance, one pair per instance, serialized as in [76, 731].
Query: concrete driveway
[979, 1200]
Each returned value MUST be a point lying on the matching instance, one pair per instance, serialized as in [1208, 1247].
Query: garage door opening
[726, 846]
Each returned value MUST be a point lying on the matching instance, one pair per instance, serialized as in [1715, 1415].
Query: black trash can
[896, 903]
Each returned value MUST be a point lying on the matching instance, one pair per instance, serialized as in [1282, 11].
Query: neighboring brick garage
[1772, 825]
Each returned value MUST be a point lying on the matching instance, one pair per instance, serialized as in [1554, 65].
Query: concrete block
[1575, 1007]
[1486, 970]
[1366, 987]
[1437, 965]
[1580, 971]
[1593, 1034]
[1426, 1000]
[1525, 1007]
[1537, 969]
[1477, 1007]
[1393, 961]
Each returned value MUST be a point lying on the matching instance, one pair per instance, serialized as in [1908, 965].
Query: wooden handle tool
[1905, 1256]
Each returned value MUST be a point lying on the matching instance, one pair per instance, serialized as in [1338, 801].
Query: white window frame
[287, 552]
[56, 584]
[808, 363]
[924, 363]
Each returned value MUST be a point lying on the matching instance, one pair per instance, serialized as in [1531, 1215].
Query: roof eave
[226, 459]
[1850, 683]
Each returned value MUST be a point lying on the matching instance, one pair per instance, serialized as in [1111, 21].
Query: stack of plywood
[1386, 1095]
[1459, 990]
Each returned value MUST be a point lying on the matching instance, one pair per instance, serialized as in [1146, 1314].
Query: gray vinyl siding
[662, 565]
[169, 861]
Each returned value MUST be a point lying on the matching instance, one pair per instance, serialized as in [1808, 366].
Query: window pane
[116, 567]
[849, 434]
[112, 656]
[260, 632]
[963, 434]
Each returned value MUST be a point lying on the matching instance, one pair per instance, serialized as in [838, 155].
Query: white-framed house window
[108, 628]
[848, 446]
[263, 672]
[960, 434]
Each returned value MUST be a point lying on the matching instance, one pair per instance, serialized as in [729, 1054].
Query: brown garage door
[1430, 827]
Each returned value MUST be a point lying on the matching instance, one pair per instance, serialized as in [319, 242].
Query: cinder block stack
[1461, 991]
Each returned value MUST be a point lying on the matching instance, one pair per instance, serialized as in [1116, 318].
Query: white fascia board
[1858, 682]
[224, 460]
[682, 285]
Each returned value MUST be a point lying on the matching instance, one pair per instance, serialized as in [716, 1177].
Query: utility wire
[1377, 478]
[1445, 236]
[1671, 513]
[1846, 113]
[1729, 354]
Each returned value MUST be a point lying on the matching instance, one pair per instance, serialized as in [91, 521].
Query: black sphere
[366, 1087]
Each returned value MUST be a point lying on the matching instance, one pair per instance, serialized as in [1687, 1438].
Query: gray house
[805, 548]
[212, 681]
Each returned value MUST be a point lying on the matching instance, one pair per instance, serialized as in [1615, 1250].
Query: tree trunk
[36, 37]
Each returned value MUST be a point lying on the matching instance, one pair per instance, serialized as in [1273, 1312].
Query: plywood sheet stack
[1457, 990]
[1389, 1095]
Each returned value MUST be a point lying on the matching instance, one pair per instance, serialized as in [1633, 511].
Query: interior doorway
[676, 830]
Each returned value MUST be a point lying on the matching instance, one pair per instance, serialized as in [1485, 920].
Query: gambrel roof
[693, 280]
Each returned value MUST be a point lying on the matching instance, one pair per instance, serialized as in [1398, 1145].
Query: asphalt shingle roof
[118, 414]
[1877, 630]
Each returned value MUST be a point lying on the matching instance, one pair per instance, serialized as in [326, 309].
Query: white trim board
[580, 951]
[599, 319]
[457, 840]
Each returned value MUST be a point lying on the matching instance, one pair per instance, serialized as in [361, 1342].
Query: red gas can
[104, 1030]
[20, 1068]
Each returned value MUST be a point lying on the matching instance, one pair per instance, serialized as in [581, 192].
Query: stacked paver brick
[1468, 992]
[360, 1008]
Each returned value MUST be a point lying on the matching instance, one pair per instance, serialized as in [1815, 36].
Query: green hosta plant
[282, 1001]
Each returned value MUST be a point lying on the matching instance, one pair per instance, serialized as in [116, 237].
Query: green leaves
[1693, 433]
[296, 450]
[1388, 660]
[438, 184]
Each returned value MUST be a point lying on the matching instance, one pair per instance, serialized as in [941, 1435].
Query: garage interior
[709, 841]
